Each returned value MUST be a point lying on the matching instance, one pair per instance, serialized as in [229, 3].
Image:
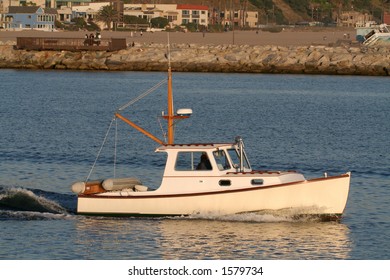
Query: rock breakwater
[345, 60]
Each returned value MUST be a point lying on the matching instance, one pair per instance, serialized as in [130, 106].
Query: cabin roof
[196, 146]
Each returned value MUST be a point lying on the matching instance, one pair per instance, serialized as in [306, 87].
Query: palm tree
[107, 14]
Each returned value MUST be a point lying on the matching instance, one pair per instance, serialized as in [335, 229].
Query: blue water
[53, 123]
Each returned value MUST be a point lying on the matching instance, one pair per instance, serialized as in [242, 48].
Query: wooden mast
[170, 117]
[171, 130]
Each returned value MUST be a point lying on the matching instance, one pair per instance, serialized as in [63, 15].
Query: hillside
[289, 11]
[292, 11]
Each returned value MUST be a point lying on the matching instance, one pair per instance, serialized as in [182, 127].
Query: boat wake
[29, 215]
[25, 204]
[244, 217]
[285, 215]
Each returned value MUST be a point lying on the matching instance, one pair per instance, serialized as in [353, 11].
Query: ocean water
[53, 124]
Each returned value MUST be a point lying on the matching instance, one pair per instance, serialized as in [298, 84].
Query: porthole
[257, 182]
[224, 183]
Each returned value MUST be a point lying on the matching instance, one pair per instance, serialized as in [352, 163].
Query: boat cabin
[200, 159]
[214, 167]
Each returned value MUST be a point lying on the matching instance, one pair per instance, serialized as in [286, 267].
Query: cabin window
[235, 157]
[222, 160]
[191, 161]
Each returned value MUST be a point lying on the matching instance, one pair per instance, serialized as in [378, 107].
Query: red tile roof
[191, 7]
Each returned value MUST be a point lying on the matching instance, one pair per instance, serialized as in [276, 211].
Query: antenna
[169, 52]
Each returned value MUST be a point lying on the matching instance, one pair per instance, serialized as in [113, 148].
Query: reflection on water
[100, 238]
[185, 238]
[242, 240]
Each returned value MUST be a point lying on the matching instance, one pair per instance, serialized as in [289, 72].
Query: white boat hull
[323, 196]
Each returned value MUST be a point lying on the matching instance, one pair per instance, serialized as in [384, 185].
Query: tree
[134, 20]
[107, 14]
[159, 22]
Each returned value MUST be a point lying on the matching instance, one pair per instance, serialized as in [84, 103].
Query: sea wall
[348, 60]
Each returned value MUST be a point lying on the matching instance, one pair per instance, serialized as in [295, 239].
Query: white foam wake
[25, 200]
[30, 215]
[284, 215]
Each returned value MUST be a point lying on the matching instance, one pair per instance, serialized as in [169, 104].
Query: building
[386, 18]
[65, 14]
[176, 14]
[144, 11]
[30, 17]
[4, 4]
[87, 12]
[353, 18]
[239, 18]
[68, 3]
[195, 14]
[251, 19]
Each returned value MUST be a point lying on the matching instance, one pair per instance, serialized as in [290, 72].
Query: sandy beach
[288, 37]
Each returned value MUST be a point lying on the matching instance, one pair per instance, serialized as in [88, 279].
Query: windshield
[235, 158]
[221, 159]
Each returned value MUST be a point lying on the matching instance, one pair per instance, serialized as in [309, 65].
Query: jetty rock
[344, 60]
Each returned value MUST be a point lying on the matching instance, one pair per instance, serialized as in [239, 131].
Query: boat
[210, 179]
[373, 34]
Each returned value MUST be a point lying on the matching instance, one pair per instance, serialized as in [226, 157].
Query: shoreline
[287, 37]
[340, 59]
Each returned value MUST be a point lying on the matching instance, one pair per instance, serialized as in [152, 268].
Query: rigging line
[100, 150]
[115, 145]
[162, 129]
[149, 91]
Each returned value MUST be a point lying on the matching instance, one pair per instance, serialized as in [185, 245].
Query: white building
[88, 12]
[196, 14]
[175, 13]
[251, 19]
[65, 14]
[144, 11]
[239, 18]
